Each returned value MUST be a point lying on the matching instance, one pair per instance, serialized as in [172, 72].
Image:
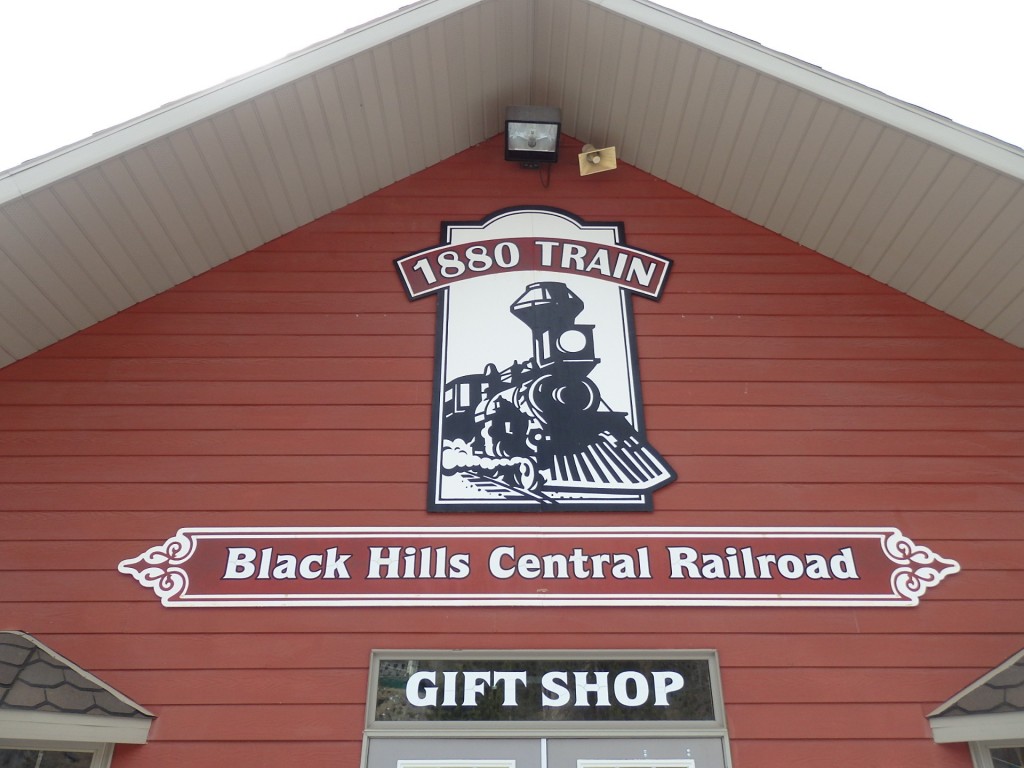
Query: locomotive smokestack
[547, 306]
[550, 310]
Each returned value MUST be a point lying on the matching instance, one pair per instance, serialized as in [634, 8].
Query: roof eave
[80, 729]
[40, 172]
[929, 126]
[992, 727]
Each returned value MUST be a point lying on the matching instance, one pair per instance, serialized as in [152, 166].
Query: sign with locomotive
[538, 566]
[537, 407]
[537, 400]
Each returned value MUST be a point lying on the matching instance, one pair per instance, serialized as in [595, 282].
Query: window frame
[102, 754]
[981, 753]
[712, 728]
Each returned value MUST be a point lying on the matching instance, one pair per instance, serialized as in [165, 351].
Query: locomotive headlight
[572, 341]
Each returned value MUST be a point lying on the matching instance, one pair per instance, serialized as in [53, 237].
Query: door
[533, 752]
[638, 752]
[453, 753]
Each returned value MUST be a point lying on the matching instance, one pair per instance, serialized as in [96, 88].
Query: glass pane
[17, 758]
[587, 690]
[66, 760]
[35, 758]
[1007, 757]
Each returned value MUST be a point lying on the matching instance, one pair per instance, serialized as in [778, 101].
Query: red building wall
[292, 386]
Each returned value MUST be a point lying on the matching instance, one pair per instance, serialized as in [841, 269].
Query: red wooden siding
[292, 386]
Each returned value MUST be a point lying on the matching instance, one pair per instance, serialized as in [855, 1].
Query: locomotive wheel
[525, 475]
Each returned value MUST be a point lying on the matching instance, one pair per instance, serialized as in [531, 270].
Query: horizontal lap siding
[292, 386]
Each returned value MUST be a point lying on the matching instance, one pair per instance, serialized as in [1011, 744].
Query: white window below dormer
[15, 753]
[998, 754]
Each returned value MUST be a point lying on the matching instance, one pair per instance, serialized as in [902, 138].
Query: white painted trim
[958, 728]
[26, 725]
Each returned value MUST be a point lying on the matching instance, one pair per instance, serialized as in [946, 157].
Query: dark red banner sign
[538, 566]
[431, 270]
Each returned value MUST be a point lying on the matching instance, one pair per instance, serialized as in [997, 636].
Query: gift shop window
[545, 709]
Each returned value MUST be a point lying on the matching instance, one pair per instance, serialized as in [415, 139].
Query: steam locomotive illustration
[540, 428]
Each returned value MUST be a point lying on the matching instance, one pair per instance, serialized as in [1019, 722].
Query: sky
[72, 68]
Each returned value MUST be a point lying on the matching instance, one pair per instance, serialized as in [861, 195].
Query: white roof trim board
[927, 206]
[989, 709]
[996, 727]
[75, 729]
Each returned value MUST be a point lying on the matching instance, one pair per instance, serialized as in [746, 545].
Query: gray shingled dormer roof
[990, 708]
[43, 695]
